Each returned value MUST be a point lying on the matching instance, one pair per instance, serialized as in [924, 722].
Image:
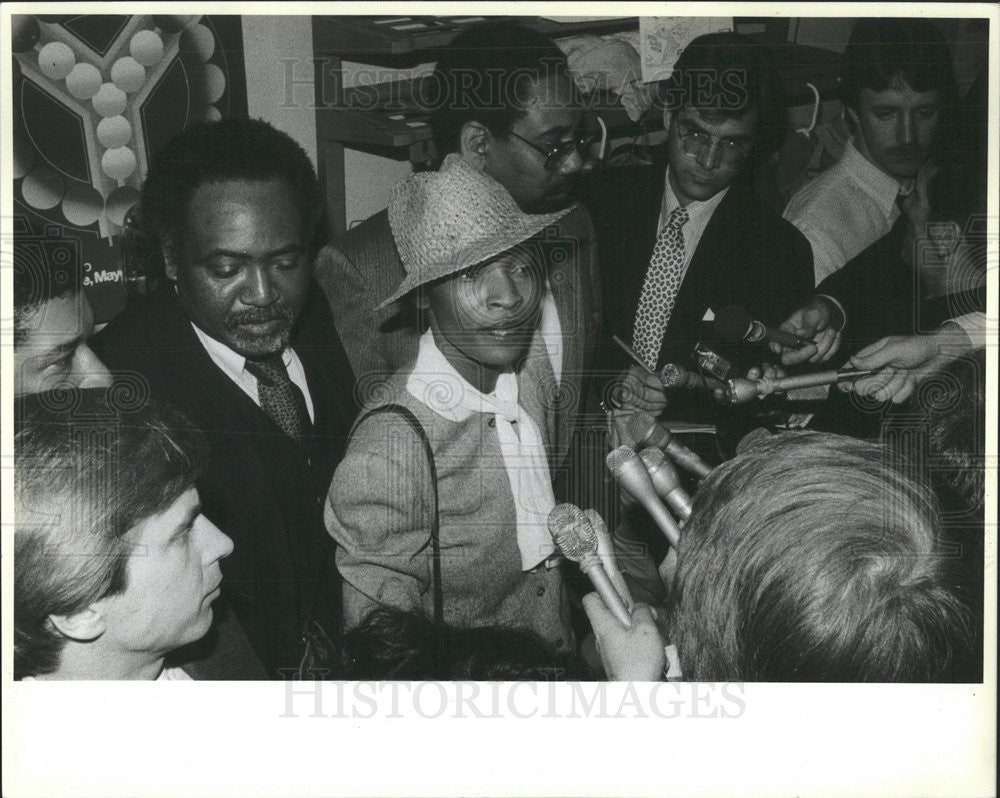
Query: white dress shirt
[699, 214]
[233, 365]
[845, 210]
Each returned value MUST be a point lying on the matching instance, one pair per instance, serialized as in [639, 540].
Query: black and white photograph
[499, 399]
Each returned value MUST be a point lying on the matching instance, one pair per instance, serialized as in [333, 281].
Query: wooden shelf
[395, 115]
[352, 36]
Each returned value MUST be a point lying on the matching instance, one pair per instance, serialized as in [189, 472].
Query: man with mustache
[242, 341]
[896, 79]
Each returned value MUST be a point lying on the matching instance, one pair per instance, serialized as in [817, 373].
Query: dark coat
[747, 256]
[260, 487]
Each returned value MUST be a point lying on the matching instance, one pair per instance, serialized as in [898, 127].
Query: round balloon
[24, 32]
[213, 84]
[171, 23]
[118, 163]
[43, 187]
[197, 42]
[109, 100]
[83, 81]
[146, 47]
[120, 202]
[114, 131]
[128, 74]
[82, 205]
[55, 60]
[24, 153]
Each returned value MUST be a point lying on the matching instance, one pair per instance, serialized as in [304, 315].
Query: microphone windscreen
[752, 438]
[732, 323]
[572, 532]
[617, 458]
[640, 425]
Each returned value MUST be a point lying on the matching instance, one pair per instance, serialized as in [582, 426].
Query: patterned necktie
[659, 291]
[280, 398]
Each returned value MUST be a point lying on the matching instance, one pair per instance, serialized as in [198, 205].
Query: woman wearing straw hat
[481, 390]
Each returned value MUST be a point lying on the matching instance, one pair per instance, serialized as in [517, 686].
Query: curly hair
[483, 76]
[233, 149]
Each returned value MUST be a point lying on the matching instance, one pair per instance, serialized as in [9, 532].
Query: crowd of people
[307, 457]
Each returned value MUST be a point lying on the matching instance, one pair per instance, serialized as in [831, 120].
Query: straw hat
[446, 221]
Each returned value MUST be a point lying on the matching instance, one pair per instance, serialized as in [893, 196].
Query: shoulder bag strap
[418, 428]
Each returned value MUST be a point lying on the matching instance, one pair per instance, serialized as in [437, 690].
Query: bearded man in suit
[242, 341]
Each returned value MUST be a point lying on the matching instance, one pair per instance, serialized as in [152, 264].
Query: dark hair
[723, 74]
[882, 49]
[395, 644]
[89, 469]
[809, 558]
[953, 403]
[483, 75]
[44, 269]
[233, 149]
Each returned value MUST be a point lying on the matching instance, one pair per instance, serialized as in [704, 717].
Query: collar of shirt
[882, 188]
[233, 365]
[551, 332]
[699, 214]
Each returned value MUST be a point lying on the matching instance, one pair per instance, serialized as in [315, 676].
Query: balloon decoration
[108, 84]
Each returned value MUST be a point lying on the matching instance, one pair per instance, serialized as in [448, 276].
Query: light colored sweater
[380, 505]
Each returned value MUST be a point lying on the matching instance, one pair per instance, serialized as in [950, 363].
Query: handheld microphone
[646, 432]
[633, 477]
[573, 534]
[733, 325]
[675, 376]
[606, 551]
[664, 478]
[741, 389]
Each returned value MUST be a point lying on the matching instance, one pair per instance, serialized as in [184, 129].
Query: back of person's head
[400, 645]
[809, 558]
[885, 50]
[91, 465]
[722, 75]
[44, 269]
[952, 402]
[485, 75]
[234, 149]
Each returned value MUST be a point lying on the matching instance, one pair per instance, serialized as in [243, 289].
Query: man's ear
[83, 626]
[474, 143]
[668, 117]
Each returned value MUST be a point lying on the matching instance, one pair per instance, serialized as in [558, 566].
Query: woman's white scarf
[436, 383]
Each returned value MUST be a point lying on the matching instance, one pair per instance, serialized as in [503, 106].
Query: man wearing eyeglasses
[503, 99]
[689, 236]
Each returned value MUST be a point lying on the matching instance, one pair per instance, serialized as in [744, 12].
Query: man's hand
[815, 321]
[905, 360]
[640, 390]
[628, 655]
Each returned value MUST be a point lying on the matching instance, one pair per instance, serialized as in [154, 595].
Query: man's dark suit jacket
[261, 488]
[747, 256]
[881, 295]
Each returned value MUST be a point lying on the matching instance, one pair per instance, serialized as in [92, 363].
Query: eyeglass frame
[554, 158]
[693, 134]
